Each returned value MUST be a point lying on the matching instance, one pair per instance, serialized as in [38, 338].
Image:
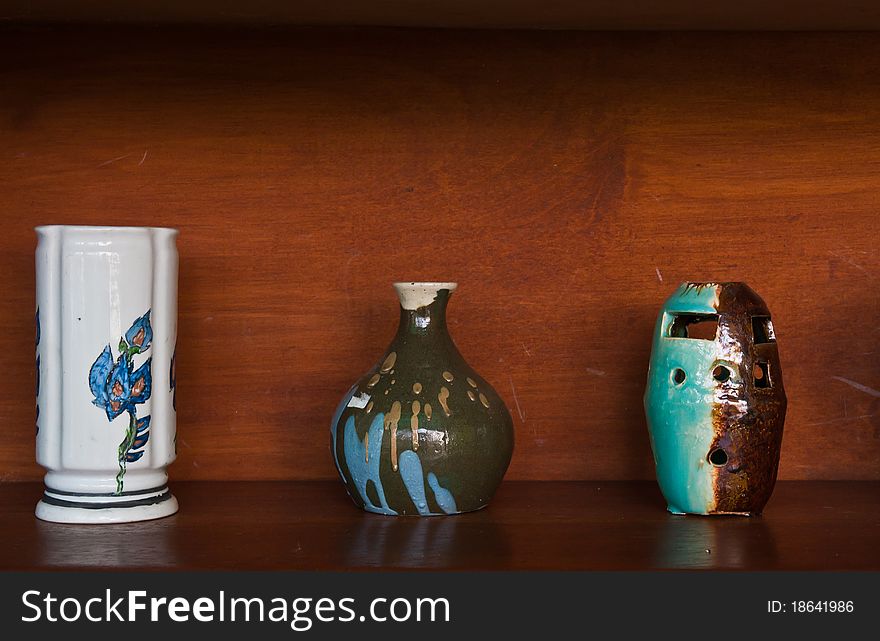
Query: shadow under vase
[145, 544]
[470, 541]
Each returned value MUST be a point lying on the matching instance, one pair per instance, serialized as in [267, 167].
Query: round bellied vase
[422, 433]
[714, 402]
[106, 337]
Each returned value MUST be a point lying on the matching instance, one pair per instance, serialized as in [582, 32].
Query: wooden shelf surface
[530, 526]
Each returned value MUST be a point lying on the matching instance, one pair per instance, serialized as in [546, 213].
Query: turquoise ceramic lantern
[715, 403]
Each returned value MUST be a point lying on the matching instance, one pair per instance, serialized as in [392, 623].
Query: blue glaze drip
[443, 496]
[334, 424]
[360, 468]
[411, 473]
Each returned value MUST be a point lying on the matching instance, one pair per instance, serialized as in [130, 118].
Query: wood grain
[547, 14]
[312, 525]
[567, 181]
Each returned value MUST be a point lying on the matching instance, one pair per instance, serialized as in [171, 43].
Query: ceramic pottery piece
[715, 402]
[106, 337]
[422, 433]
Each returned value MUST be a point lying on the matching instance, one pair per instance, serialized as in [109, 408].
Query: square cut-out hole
[699, 326]
[761, 374]
[762, 330]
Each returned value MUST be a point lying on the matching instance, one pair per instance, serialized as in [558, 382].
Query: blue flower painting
[119, 388]
[172, 378]
[172, 384]
[37, 348]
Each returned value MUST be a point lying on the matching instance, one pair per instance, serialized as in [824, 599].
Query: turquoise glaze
[363, 466]
[678, 414]
[443, 496]
[715, 425]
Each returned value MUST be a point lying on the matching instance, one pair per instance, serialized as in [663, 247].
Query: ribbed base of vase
[71, 507]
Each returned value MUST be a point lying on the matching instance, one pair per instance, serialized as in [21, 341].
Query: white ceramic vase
[106, 337]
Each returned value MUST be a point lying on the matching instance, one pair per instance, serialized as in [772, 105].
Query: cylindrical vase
[106, 338]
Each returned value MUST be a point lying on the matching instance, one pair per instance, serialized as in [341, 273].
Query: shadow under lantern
[715, 403]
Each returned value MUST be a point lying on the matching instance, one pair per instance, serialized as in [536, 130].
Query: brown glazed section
[747, 419]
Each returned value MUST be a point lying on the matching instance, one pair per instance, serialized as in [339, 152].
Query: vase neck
[423, 308]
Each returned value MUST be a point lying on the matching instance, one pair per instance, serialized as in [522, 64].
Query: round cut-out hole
[721, 373]
[678, 376]
[718, 457]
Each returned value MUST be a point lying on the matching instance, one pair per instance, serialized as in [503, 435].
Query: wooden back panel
[567, 181]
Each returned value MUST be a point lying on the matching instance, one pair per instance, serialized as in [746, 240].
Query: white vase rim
[426, 284]
[41, 229]
[416, 294]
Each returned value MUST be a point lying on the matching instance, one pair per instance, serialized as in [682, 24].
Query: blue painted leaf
[140, 441]
[131, 457]
[172, 378]
[143, 424]
[99, 375]
[141, 383]
[140, 334]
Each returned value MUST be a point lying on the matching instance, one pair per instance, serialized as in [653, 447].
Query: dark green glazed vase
[422, 433]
